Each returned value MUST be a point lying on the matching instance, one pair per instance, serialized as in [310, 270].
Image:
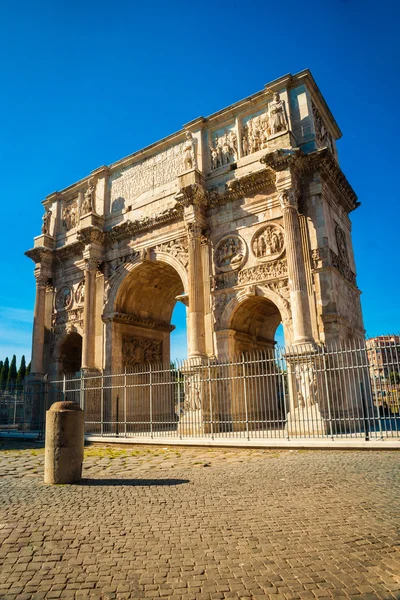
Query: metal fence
[348, 390]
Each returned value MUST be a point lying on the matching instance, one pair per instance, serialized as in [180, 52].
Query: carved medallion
[268, 243]
[64, 298]
[80, 292]
[341, 243]
[230, 253]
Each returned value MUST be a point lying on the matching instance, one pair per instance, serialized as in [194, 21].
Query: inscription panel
[152, 172]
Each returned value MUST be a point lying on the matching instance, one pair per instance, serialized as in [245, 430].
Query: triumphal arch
[242, 216]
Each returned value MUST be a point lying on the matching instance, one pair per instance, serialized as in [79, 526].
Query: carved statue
[277, 114]
[306, 385]
[87, 203]
[341, 243]
[46, 222]
[189, 152]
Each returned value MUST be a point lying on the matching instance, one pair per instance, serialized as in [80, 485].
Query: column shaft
[89, 314]
[196, 334]
[302, 331]
[38, 327]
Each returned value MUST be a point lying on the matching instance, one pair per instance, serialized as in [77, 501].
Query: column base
[306, 421]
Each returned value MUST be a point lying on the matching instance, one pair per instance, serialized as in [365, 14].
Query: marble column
[196, 332]
[37, 365]
[89, 314]
[302, 330]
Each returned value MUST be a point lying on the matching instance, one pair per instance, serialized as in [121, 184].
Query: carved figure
[46, 222]
[64, 298]
[268, 242]
[255, 134]
[306, 385]
[189, 152]
[277, 114]
[224, 150]
[341, 243]
[138, 351]
[69, 216]
[80, 293]
[229, 253]
[322, 135]
[88, 199]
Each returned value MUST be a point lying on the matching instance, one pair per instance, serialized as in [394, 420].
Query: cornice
[321, 160]
[70, 250]
[131, 319]
[130, 228]
[40, 254]
[243, 186]
[90, 235]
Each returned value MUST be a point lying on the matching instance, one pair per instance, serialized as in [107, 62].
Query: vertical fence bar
[151, 401]
[245, 397]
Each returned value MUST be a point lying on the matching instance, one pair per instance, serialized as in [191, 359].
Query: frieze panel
[137, 351]
[70, 214]
[255, 132]
[150, 173]
[341, 243]
[268, 242]
[269, 270]
[67, 316]
[342, 267]
[322, 136]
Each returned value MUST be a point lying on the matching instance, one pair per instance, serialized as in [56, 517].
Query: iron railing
[340, 391]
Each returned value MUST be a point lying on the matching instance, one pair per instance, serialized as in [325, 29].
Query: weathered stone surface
[64, 443]
[154, 522]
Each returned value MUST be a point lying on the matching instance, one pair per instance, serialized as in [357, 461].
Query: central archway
[142, 314]
[255, 322]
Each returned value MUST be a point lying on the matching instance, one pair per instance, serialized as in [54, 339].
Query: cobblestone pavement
[201, 524]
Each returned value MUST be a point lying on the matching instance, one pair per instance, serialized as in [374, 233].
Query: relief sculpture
[69, 215]
[224, 149]
[269, 270]
[137, 351]
[64, 298]
[268, 242]
[230, 253]
[255, 134]
[277, 115]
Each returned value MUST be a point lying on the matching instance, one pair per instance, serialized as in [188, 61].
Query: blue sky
[87, 83]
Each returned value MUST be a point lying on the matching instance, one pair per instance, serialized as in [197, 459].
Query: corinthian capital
[289, 198]
[192, 195]
[194, 230]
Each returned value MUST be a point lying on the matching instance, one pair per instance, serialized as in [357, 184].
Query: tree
[394, 377]
[28, 369]
[21, 370]
[1, 365]
[4, 374]
[12, 373]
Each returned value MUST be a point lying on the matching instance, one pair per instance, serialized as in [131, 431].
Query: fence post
[117, 416]
[366, 424]
[102, 406]
[245, 397]
[125, 401]
[151, 402]
[327, 390]
[211, 406]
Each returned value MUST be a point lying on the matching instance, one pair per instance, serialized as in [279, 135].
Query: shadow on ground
[132, 482]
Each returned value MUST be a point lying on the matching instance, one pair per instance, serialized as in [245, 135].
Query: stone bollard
[64, 443]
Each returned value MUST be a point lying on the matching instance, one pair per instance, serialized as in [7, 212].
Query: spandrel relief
[322, 136]
[230, 253]
[224, 147]
[268, 242]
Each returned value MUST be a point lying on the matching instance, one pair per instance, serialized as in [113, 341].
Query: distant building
[383, 355]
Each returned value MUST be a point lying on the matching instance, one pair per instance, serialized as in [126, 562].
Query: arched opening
[255, 322]
[143, 313]
[71, 354]
[256, 387]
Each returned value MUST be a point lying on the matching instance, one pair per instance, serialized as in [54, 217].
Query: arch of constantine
[242, 216]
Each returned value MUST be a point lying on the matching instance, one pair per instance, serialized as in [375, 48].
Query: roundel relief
[230, 253]
[64, 297]
[268, 242]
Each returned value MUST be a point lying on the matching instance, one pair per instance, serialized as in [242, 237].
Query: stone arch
[251, 306]
[139, 311]
[69, 351]
[120, 277]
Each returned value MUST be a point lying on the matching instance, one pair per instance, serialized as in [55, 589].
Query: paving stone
[152, 524]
